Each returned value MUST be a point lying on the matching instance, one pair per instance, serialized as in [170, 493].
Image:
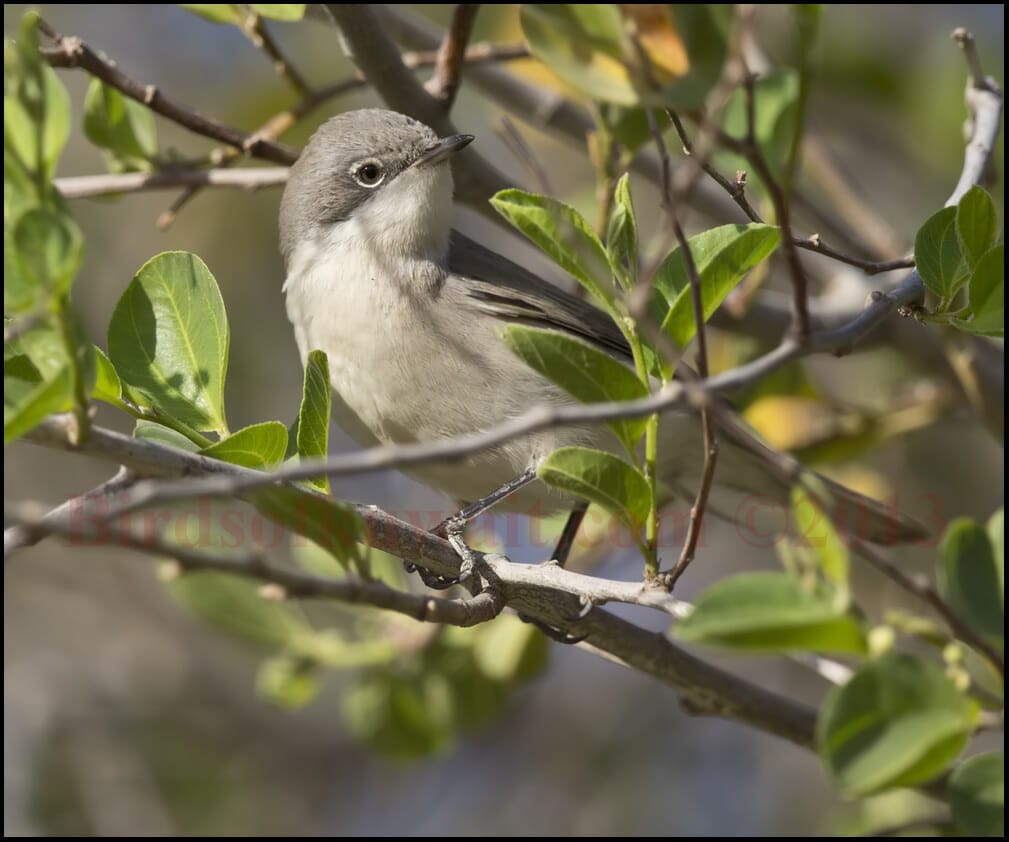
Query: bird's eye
[369, 174]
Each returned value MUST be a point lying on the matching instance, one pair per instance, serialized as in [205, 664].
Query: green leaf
[36, 105]
[977, 795]
[280, 11]
[562, 234]
[723, 256]
[622, 235]
[899, 721]
[996, 533]
[976, 224]
[49, 248]
[314, 414]
[402, 716]
[937, 254]
[168, 339]
[987, 296]
[235, 607]
[509, 650]
[816, 531]
[152, 431]
[37, 375]
[28, 398]
[582, 370]
[121, 125]
[334, 526]
[288, 681]
[257, 446]
[108, 386]
[970, 577]
[770, 612]
[601, 478]
[214, 12]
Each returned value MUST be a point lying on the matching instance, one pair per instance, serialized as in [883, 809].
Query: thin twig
[754, 154]
[20, 536]
[920, 587]
[83, 186]
[697, 302]
[258, 33]
[73, 52]
[737, 192]
[969, 46]
[444, 83]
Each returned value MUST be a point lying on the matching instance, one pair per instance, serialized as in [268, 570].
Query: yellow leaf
[656, 30]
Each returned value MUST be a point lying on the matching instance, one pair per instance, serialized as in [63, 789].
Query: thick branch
[294, 583]
[72, 52]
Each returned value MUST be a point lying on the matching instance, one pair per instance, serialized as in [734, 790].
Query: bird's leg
[570, 531]
[457, 523]
[474, 510]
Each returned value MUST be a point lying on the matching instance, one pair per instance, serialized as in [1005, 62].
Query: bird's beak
[442, 149]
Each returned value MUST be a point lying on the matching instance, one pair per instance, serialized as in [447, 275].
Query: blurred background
[125, 714]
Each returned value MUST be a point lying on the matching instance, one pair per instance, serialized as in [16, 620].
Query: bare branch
[24, 535]
[294, 583]
[259, 34]
[737, 192]
[697, 302]
[444, 84]
[70, 51]
[754, 154]
[984, 102]
[920, 587]
[82, 186]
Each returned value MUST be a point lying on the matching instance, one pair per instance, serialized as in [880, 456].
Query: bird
[410, 313]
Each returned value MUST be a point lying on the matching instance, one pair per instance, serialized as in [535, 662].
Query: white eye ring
[368, 173]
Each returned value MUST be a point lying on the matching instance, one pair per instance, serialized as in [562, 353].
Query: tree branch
[669, 205]
[535, 590]
[754, 154]
[71, 51]
[295, 583]
[444, 83]
[258, 33]
[920, 587]
[82, 186]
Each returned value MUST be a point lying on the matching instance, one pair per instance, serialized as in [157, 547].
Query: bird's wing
[505, 290]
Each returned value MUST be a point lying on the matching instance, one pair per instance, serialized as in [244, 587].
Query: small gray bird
[410, 312]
